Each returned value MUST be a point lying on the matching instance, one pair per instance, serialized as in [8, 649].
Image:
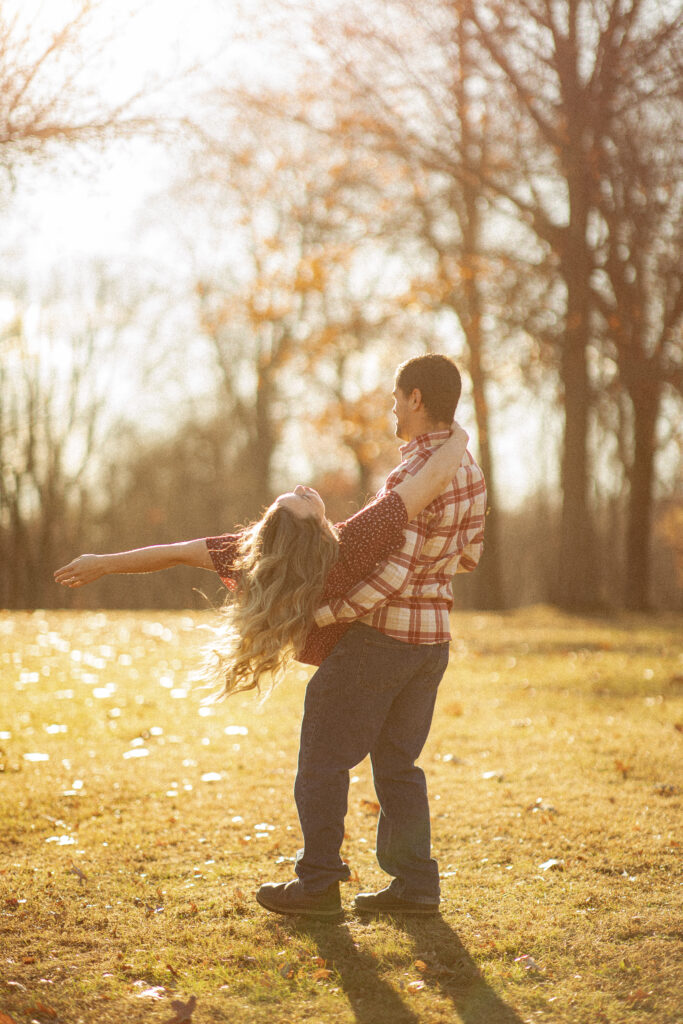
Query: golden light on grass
[127, 881]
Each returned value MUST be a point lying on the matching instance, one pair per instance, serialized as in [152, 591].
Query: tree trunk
[645, 398]
[577, 586]
[264, 434]
[488, 576]
[575, 580]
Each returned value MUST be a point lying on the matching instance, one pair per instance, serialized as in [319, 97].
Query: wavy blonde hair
[284, 561]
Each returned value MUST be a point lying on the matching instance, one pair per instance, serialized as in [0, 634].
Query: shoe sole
[321, 915]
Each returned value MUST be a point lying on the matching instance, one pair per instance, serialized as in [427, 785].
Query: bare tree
[55, 386]
[397, 138]
[294, 296]
[504, 106]
[51, 96]
[638, 292]
[581, 73]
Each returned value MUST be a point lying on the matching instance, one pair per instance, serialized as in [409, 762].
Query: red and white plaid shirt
[409, 596]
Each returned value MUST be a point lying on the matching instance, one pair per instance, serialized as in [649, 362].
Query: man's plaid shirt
[409, 596]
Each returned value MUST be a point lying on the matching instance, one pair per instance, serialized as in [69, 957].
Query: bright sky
[67, 215]
[77, 209]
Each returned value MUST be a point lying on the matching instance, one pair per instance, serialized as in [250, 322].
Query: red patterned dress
[365, 540]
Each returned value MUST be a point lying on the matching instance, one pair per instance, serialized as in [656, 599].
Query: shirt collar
[424, 443]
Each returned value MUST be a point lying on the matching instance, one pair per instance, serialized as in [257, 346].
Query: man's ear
[415, 399]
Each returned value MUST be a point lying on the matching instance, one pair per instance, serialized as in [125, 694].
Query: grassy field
[137, 824]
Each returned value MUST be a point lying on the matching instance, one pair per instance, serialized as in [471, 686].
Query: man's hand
[84, 569]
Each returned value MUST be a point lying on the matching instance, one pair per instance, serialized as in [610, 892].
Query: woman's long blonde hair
[283, 562]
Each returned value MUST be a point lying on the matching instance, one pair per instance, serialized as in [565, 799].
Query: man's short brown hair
[439, 383]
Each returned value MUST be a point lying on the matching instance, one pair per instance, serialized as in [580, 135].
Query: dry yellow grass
[136, 827]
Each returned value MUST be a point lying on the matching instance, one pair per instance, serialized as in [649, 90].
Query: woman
[281, 568]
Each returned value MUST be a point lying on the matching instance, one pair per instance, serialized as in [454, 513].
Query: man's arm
[388, 580]
[418, 489]
[392, 576]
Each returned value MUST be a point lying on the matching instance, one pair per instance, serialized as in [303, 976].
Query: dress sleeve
[365, 540]
[224, 551]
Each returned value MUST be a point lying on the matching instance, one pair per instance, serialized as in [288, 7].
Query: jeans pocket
[383, 665]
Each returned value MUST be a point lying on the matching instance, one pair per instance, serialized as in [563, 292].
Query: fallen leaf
[75, 870]
[46, 1011]
[155, 992]
[667, 789]
[421, 965]
[370, 806]
[287, 970]
[527, 962]
[638, 996]
[6, 1019]
[321, 974]
[415, 986]
[539, 805]
[552, 865]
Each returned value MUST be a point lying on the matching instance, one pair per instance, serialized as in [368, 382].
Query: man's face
[402, 412]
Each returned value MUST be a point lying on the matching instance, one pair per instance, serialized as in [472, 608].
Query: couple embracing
[368, 602]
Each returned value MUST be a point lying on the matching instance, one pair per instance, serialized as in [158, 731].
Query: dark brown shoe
[385, 902]
[292, 898]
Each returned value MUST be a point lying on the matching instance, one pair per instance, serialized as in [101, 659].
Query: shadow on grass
[451, 972]
[372, 999]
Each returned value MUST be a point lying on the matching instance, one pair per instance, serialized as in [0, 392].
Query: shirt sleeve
[224, 551]
[365, 540]
[387, 581]
[469, 559]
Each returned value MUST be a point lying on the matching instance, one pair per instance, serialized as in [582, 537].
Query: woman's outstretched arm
[434, 477]
[88, 568]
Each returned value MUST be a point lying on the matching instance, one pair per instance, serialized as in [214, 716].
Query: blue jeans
[373, 695]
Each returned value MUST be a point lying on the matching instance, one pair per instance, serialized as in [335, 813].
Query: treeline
[497, 180]
[195, 483]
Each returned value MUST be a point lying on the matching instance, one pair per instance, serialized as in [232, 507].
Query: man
[375, 693]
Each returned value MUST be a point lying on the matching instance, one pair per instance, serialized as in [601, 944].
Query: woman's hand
[84, 569]
[458, 434]
[435, 475]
